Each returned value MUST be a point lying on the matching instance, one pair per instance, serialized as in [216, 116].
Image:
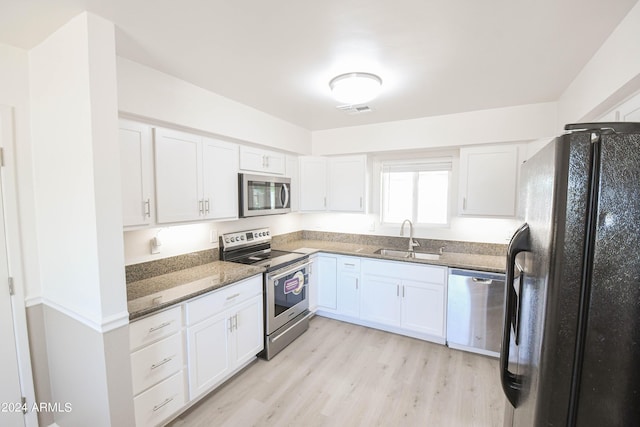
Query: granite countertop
[155, 293]
[490, 263]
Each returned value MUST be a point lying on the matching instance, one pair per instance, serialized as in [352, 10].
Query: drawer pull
[166, 402]
[349, 265]
[157, 365]
[233, 296]
[163, 325]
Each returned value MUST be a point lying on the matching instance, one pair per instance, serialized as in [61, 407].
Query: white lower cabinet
[160, 402]
[157, 366]
[327, 282]
[224, 332]
[380, 296]
[348, 286]
[401, 297]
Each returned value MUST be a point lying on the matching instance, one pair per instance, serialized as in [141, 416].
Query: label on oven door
[295, 284]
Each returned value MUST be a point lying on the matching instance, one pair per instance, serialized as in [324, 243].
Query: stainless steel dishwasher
[475, 311]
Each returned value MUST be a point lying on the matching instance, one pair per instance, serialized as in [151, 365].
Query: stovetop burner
[253, 247]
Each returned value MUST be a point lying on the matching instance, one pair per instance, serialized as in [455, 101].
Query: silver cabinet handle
[235, 322]
[356, 284]
[206, 206]
[230, 325]
[349, 264]
[147, 208]
[166, 401]
[162, 362]
[397, 290]
[325, 201]
[200, 207]
[360, 202]
[233, 296]
[464, 203]
[163, 325]
[402, 291]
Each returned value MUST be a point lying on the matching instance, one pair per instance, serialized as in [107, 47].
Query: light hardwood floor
[338, 374]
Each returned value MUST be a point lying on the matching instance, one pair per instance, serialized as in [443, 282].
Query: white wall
[521, 123]
[77, 178]
[611, 76]
[183, 239]
[148, 93]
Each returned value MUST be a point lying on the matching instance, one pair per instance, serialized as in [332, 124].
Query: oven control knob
[241, 237]
[227, 240]
[266, 232]
[233, 239]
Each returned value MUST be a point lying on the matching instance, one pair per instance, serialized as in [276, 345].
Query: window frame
[440, 163]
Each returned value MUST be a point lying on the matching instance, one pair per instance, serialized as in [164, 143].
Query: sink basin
[397, 253]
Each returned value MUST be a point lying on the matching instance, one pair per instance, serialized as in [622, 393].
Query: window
[418, 191]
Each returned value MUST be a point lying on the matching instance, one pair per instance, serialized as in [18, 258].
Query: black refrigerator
[570, 352]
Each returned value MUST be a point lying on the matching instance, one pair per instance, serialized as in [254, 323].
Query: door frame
[14, 255]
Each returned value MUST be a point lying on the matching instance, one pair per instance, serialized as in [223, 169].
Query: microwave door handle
[511, 383]
[285, 190]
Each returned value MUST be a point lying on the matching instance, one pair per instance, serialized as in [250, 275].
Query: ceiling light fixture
[355, 88]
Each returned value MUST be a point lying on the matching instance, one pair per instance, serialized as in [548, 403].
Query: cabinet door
[346, 183]
[208, 346]
[248, 331]
[178, 176]
[220, 179]
[313, 183]
[136, 173]
[488, 181]
[327, 283]
[258, 160]
[348, 292]
[380, 300]
[423, 307]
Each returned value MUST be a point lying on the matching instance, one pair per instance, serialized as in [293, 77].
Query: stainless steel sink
[397, 253]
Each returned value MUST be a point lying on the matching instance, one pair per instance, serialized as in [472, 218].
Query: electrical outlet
[213, 236]
[372, 226]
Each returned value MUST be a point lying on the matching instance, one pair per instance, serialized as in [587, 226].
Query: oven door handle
[298, 267]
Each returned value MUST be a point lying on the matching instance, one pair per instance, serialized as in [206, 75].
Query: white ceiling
[434, 56]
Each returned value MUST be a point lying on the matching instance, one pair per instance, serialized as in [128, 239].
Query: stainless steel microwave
[263, 195]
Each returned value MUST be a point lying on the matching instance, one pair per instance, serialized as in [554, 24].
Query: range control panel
[245, 238]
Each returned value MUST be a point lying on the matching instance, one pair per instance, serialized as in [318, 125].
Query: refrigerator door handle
[511, 384]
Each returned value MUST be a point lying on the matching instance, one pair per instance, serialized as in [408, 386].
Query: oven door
[286, 294]
[264, 195]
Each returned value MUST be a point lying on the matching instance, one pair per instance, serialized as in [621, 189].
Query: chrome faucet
[412, 243]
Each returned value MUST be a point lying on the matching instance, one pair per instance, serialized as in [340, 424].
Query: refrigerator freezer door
[608, 391]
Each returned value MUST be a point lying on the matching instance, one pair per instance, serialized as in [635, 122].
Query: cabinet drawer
[160, 402]
[349, 264]
[153, 328]
[154, 363]
[217, 301]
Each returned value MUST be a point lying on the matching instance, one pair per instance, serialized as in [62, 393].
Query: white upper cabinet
[178, 176]
[220, 170]
[488, 181]
[346, 183]
[335, 184]
[136, 173]
[630, 110]
[313, 183]
[263, 161]
[196, 177]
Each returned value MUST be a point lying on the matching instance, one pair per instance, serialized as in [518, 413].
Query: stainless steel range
[285, 285]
